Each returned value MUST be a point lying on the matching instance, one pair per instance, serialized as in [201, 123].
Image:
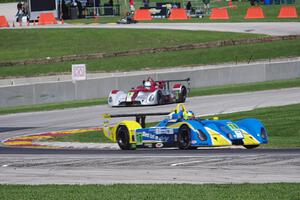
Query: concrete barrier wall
[100, 87]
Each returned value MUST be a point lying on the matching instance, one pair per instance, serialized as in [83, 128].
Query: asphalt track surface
[66, 166]
[40, 166]
[36, 122]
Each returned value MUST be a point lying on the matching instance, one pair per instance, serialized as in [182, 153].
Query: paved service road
[26, 123]
[40, 166]
[268, 28]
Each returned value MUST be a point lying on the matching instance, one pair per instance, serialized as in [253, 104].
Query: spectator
[128, 19]
[188, 8]
[111, 2]
[146, 3]
[131, 3]
[79, 5]
[169, 8]
[206, 6]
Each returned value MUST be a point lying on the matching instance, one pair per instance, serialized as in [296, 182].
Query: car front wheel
[123, 138]
[184, 137]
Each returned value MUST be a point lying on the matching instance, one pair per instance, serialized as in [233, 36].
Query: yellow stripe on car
[249, 139]
[217, 138]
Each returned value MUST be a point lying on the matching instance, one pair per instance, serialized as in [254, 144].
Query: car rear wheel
[182, 95]
[160, 99]
[123, 138]
[250, 146]
[184, 137]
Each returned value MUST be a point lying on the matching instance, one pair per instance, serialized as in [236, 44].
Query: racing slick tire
[182, 95]
[184, 137]
[160, 98]
[250, 146]
[123, 138]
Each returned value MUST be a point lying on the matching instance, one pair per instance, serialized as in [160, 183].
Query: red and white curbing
[33, 140]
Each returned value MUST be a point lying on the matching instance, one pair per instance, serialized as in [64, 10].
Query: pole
[94, 7]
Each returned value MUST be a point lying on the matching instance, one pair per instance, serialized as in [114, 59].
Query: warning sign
[78, 72]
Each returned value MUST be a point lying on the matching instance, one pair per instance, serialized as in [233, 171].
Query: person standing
[146, 3]
[188, 8]
[206, 6]
[131, 3]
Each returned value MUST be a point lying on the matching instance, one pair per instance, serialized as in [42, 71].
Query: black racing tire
[123, 138]
[250, 146]
[160, 98]
[184, 137]
[182, 95]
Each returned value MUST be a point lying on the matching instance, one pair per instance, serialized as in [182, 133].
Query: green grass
[42, 43]
[242, 53]
[89, 136]
[194, 92]
[282, 124]
[270, 191]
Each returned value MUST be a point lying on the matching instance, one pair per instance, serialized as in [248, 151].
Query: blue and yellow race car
[182, 129]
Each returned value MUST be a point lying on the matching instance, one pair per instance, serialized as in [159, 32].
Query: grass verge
[282, 124]
[241, 53]
[89, 136]
[194, 92]
[42, 43]
[271, 191]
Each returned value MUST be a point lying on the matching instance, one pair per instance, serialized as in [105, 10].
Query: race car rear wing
[178, 80]
[187, 79]
[139, 117]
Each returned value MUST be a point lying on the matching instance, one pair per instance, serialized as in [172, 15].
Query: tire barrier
[142, 15]
[288, 12]
[255, 13]
[178, 14]
[3, 22]
[47, 18]
[219, 13]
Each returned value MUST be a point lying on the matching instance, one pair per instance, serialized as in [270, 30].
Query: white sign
[78, 72]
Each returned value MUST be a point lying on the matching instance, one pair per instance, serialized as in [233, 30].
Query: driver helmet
[147, 85]
[188, 115]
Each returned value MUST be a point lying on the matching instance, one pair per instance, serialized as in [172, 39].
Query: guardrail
[100, 87]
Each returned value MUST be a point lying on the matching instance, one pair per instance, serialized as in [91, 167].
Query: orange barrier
[178, 14]
[288, 12]
[255, 13]
[47, 18]
[3, 22]
[219, 13]
[142, 15]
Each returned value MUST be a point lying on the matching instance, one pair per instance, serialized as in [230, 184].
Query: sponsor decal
[236, 130]
[166, 131]
[159, 145]
[139, 138]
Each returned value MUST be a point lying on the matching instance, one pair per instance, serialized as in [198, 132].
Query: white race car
[151, 93]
